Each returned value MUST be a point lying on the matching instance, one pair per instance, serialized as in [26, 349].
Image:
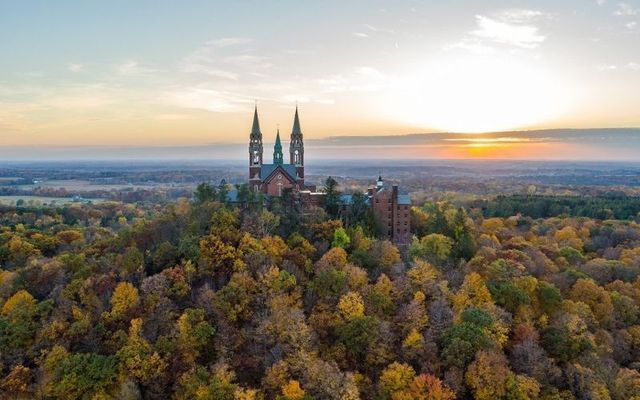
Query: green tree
[434, 248]
[341, 238]
[204, 193]
[332, 197]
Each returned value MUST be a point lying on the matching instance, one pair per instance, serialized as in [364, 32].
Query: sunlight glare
[478, 94]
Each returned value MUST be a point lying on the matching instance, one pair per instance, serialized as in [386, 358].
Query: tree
[357, 335]
[204, 193]
[18, 323]
[83, 376]
[137, 358]
[351, 306]
[597, 298]
[489, 377]
[16, 383]
[427, 387]
[340, 238]
[434, 248]
[293, 391]
[200, 383]
[194, 333]
[125, 297]
[395, 378]
[217, 258]
[332, 197]
[464, 241]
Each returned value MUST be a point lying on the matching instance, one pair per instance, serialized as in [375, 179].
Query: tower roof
[255, 129]
[278, 145]
[277, 150]
[296, 125]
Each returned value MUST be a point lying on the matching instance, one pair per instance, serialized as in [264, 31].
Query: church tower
[296, 149]
[255, 153]
[277, 150]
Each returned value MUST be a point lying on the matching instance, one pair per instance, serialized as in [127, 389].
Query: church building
[272, 179]
[390, 208]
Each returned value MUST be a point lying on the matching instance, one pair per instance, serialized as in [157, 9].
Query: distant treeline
[612, 205]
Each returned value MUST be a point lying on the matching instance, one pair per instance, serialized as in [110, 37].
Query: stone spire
[296, 147]
[296, 131]
[277, 150]
[255, 129]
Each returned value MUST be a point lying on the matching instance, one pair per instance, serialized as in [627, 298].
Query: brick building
[392, 211]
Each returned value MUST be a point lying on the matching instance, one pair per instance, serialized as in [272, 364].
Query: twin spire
[296, 136]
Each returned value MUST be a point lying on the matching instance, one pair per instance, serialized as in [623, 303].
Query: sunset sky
[187, 73]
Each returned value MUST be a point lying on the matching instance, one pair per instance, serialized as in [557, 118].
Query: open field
[44, 201]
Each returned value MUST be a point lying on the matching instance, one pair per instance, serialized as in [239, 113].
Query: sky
[188, 73]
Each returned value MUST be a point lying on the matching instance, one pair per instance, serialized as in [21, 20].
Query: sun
[477, 94]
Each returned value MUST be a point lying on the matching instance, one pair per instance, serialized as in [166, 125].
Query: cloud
[75, 67]
[230, 41]
[205, 98]
[361, 34]
[377, 29]
[625, 10]
[519, 15]
[631, 25]
[630, 66]
[511, 27]
[601, 2]
[225, 58]
[633, 66]
[524, 36]
[360, 79]
[133, 67]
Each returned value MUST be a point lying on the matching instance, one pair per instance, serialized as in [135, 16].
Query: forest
[610, 205]
[198, 299]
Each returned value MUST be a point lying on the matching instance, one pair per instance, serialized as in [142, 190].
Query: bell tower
[296, 150]
[255, 153]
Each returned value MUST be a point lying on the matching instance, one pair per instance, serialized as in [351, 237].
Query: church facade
[272, 179]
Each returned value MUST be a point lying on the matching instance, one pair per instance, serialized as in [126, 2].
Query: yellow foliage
[422, 274]
[124, 297]
[473, 292]
[336, 258]
[395, 378]
[293, 391]
[414, 340]
[21, 299]
[69, 236]
[596, 297]
[351, 305]
[246, 394]
[568, 236]
[493, 225]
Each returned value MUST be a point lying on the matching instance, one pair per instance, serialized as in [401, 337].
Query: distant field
[42, 201]
[81, 185]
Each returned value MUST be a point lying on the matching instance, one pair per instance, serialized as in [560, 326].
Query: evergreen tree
[332, 197]
[204, 193]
